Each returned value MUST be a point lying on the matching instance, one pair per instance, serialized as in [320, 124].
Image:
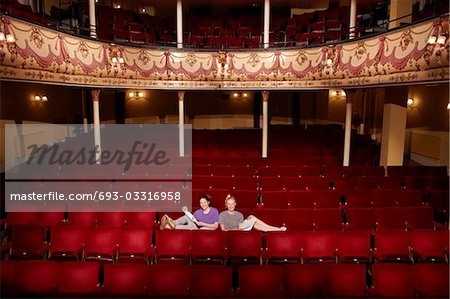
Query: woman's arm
[222, 227]
[214, 225]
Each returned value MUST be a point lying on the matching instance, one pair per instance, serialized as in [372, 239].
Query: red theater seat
[390, 218]
[301, 199]
[76, 279]
[328, 219]
[111, 219]
[360, 219]
[358, 199]
[326, 199]
[282, 247]
[21, 218]
[274, 200]
[429, 245]
[35, 278]
[392, 280]
[392, 246]
[7, 278]
[209, 247]
[270, 216]
[318, 246]
[27, 242]
[299, 219]
[246, 199]
[67, 242]
[419, 217]
[244, 183]
[82, 218]
[141, 219]
[345, 280]
[354, 246]
[170, 281]
[244, 247]
[135, 244]
[409, 198]
[219, 281]
[101, 244]
[49, 219]
[126, 280]
[304, 281]
[271, 183]
[172, 246]
[431, 280]
[261, 282]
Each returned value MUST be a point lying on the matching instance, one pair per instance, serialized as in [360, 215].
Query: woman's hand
[215, 225]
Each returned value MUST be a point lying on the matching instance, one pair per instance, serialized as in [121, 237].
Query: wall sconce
[9, 38]
[448, 106]
[136, 94]
[440, 34]
[432, 39]
[338, 93]
[241, 95]
[437, 39]
[6, 36]
[115, 55]
[441, 39]
[330, 56]
[38, 98]
[409, 102]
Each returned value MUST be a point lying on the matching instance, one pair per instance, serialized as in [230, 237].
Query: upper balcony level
[233, 24]
[416, 52]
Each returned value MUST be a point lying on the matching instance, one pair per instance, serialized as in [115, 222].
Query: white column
[181, 122]
[363, 116]
[96, 112]
[352, 19]
[83, 107]
[348, 128]
[179, 24]
[393, 135]
[92, 22]
[266, 23]
[265, 125]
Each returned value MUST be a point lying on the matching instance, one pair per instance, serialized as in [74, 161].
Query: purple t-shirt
[210, 218]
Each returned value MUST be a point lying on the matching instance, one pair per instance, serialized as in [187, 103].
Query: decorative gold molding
[398, 57]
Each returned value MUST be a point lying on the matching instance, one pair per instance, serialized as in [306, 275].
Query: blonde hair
[228, 198]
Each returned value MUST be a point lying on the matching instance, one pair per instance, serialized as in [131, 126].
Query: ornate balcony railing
[401, 56]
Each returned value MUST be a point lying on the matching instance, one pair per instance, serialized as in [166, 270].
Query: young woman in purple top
[204, 218]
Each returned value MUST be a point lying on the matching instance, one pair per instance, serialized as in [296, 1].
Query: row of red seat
[275, 183]
[405, 218]
[309, 199]
[120, 245]
[331, 199]
[277, 167]
[87, 219]
[305, 247]
[338, 219]
[51, 279]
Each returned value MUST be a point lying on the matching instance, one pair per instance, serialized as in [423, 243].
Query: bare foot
[283, 228]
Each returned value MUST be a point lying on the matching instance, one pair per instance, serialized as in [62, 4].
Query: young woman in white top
[234, 220]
